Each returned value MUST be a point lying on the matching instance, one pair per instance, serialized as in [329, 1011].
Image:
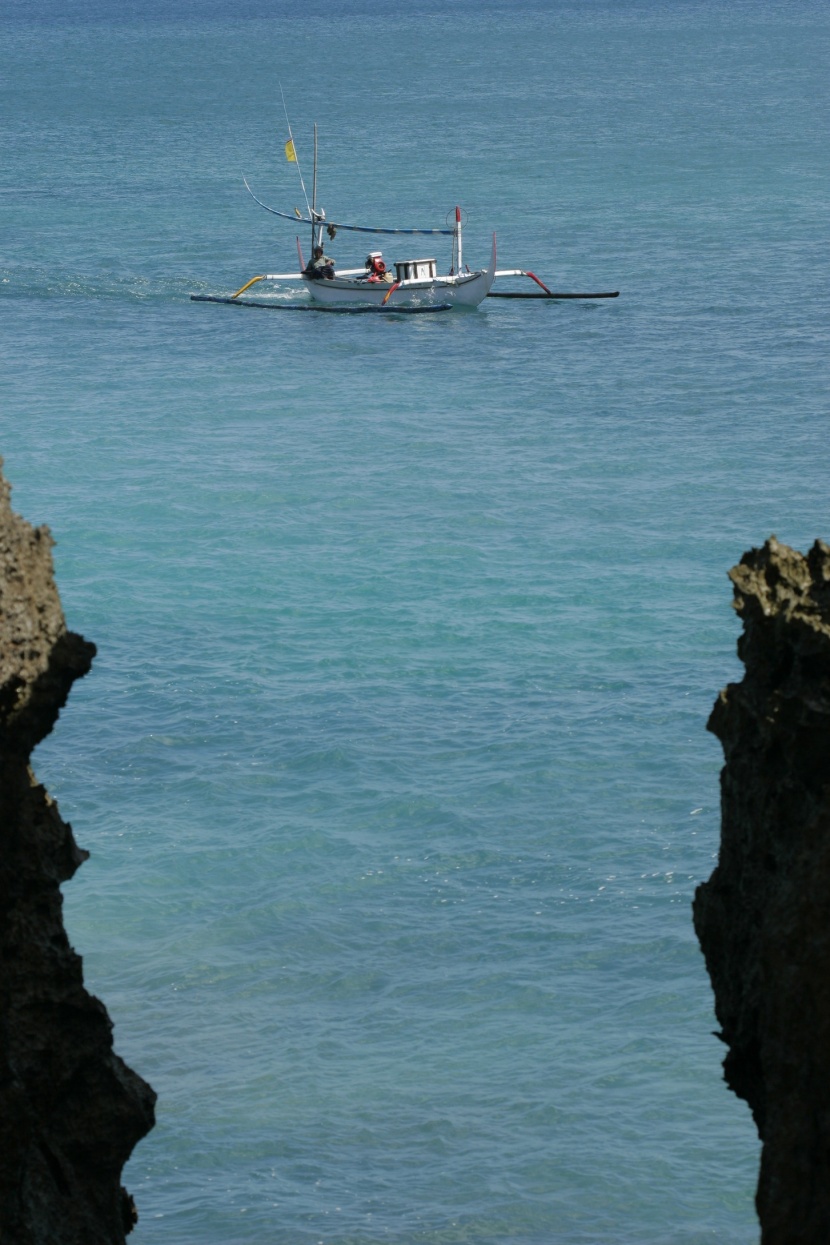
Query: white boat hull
[467, 289]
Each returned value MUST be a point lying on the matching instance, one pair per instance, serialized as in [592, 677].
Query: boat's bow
[468, 289]
[489, 274]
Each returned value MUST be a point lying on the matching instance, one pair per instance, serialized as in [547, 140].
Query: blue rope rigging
[303, 220]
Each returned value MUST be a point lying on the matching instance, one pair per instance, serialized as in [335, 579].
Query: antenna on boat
[291, 145]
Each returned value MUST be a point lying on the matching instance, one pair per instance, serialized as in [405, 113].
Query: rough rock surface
[70, 1109]
[763, 918]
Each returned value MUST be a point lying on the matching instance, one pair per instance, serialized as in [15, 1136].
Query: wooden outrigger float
[415, 284]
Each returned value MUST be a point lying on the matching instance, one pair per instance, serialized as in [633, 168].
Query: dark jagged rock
[763, 918]
[70, 1109]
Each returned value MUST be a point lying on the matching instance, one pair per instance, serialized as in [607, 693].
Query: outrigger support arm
[521, 272]
[248, 285]
[273, 276]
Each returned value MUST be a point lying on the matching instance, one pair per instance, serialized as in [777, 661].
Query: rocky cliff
[763, 918]
[70, 1109]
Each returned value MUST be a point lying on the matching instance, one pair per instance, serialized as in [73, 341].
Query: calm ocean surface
[392, 763]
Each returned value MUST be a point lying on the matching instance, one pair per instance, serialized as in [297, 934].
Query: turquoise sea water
[392, 763]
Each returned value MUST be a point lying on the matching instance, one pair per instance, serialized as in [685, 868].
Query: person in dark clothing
[320, 267]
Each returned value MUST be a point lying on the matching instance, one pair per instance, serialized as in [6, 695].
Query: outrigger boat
[415, 284]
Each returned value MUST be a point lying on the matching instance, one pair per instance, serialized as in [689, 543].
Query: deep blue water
[392, 763]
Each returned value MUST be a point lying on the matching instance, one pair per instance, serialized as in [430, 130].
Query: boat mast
[458, 238]
[316, 234]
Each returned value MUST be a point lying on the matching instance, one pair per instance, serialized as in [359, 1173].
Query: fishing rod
[292, 158]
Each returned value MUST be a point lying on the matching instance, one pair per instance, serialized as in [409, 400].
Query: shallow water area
[393, 761]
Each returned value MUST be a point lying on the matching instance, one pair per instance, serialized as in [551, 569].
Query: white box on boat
[416, 269]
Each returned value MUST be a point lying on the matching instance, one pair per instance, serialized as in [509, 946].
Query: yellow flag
[290, 153]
